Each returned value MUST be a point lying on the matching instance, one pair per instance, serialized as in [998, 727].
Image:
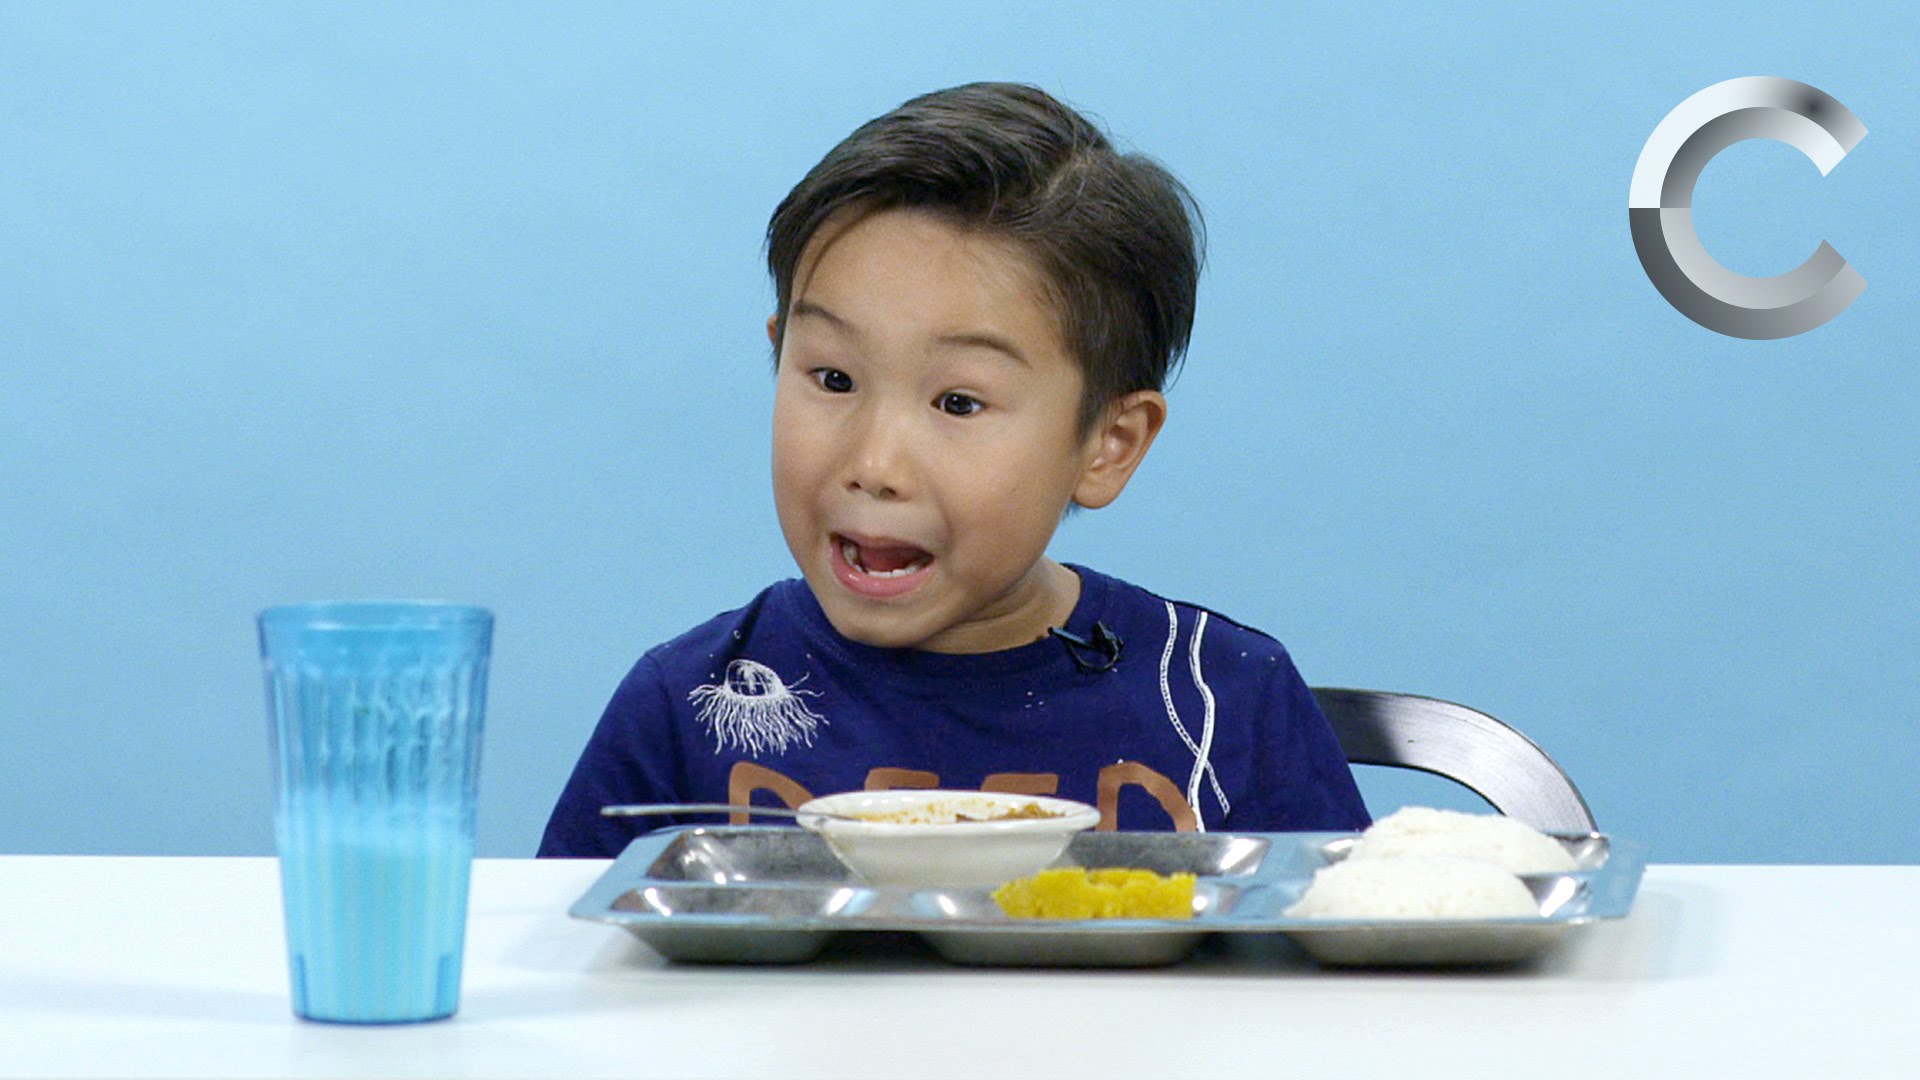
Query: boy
[978, 303]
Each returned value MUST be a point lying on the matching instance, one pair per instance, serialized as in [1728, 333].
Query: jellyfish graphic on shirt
[752, 709]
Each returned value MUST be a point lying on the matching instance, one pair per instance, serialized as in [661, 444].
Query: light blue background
[301, 302]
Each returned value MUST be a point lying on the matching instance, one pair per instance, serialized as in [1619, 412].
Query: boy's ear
[1117, 445]
[773, 330]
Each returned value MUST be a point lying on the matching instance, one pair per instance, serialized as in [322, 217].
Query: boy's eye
[833, 380]
[956, 404]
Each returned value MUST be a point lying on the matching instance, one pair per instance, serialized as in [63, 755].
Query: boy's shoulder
[719, 636]
[1142, 608]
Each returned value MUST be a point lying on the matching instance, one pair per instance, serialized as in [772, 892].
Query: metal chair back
[1509, 770]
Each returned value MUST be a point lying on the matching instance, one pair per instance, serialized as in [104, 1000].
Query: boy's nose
[878, 463]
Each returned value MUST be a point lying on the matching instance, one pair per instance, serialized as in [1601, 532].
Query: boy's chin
[880, 633]
[895, 626]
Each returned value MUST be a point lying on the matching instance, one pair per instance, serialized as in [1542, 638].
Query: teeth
[902, 572]
[850, 551]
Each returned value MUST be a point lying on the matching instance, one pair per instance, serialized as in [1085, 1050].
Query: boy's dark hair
[1117, 238]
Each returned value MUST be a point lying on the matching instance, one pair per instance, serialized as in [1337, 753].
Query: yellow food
[1097, 894]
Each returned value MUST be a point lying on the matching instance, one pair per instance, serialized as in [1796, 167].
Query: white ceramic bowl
[917, 841]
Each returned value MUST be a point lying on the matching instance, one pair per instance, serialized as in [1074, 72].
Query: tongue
[881, 560]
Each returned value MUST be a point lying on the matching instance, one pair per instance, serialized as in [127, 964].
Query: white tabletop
[149, 967]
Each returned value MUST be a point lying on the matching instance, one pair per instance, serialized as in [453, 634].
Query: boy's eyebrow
[979, 340]
[973, 340]
[808, 307]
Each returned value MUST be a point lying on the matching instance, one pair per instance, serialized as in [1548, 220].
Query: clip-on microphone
[1104, 647]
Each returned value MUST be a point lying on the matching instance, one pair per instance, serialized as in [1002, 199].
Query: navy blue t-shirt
[1201, 723]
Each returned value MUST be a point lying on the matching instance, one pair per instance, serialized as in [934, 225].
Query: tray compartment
[720, 943]
[732, 924]
[1004, 947]
[1223, 855]
[1431, 943]
[746, 855]
[983, 936]
[1589, 852]
[787, 903]
[1559, 896]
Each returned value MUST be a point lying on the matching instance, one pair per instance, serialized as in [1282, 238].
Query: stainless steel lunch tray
[768, 894]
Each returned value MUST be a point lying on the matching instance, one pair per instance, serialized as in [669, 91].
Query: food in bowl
[1108, 893]
[1420, 830]
[954, 813]
[933, 838]
[1414, 887]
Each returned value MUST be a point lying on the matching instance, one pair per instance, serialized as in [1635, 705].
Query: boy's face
[924, 436]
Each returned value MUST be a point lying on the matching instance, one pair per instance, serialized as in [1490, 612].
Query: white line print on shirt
[754, 709]
[1203, 750]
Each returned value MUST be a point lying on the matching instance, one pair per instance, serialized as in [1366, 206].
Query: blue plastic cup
[376, 711]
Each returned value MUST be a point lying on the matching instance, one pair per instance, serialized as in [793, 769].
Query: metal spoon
[651, 809]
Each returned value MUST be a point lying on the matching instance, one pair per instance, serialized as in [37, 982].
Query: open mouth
[890, 561]
[877, 567]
